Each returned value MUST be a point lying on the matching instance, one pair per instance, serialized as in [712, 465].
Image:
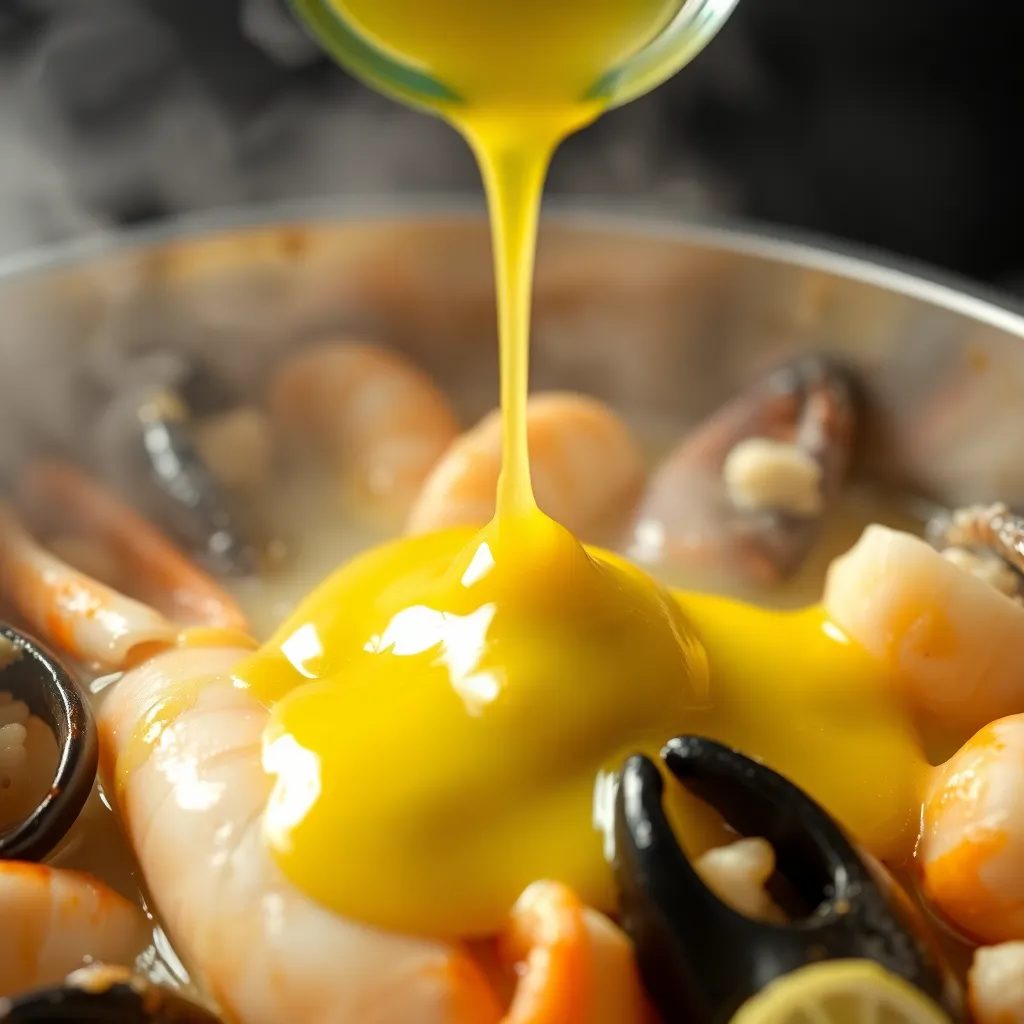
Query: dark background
[889, 122]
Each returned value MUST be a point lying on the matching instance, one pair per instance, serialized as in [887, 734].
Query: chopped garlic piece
[737, 874]
[996, 984]
[993, 571]
[768, 475]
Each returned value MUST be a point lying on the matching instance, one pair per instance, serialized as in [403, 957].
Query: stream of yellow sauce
[448, 711]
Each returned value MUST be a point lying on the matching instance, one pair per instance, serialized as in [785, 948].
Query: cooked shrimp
[955, 644]
[587, 470]
[996, 984]
[193, 809]
[972, 844]
[574, 964]
[745, 492]
[183, 745]
[91, 621]
[55, 921]
[57, 495]
[383, 421]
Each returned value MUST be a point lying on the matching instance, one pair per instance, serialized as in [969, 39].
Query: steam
[127, 110]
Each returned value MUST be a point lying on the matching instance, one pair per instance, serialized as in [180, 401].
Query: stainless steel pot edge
[802, 249]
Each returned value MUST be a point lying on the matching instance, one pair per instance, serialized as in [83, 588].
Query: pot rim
[743, 237]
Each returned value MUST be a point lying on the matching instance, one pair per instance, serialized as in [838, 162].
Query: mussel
[104, 995]
[151, 455]
[745, 493]
[32, 674]
[701, 959]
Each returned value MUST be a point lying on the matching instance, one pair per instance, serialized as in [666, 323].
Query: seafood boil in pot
[505, 843]
[324, 702]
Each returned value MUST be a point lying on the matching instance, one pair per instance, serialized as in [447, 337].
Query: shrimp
[56, 921]
[86, 618]
[746, 491]
[182, 745]
[55, 493]
[996, 984]
[382, 421]
[955, 643]
[587, 470]
[574, 963]
[972, 844]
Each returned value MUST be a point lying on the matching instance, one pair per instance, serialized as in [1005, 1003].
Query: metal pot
[662, 319]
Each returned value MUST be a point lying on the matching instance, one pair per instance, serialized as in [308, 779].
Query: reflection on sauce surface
[445, 707]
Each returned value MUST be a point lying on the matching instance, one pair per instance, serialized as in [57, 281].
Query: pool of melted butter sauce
[318, 538]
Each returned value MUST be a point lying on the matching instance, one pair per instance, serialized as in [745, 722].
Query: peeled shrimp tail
[56, 921]
[87, 619]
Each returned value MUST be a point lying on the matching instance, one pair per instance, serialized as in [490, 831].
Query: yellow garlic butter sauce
[447, 710]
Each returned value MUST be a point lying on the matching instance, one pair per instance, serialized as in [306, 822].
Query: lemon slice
[840, 992]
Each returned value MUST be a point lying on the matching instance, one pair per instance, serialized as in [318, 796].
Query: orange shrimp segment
[56, 921]
[972, 844]
[55, 494]
[587, 470]
[574, 966]
[87, 619]
[546, 943]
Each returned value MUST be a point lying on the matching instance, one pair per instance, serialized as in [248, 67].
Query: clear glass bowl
[688, 32]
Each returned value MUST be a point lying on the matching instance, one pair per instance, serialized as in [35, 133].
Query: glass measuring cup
[684, 34]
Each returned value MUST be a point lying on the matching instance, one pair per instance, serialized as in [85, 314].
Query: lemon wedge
[840, 992]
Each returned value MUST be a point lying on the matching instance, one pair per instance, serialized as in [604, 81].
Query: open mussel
[31, 674]
[745, 493]
[680, 928]
[104, 995]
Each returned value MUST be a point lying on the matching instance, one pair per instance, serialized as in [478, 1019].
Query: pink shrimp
[92, 621]
[60, 497]
[182, 744]
[56, 921]
[382, 421]
[587, 470]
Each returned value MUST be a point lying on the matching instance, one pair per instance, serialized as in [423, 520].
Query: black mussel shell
[35, 676]
[699, 958]
[197, 509]
[121, 1000]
